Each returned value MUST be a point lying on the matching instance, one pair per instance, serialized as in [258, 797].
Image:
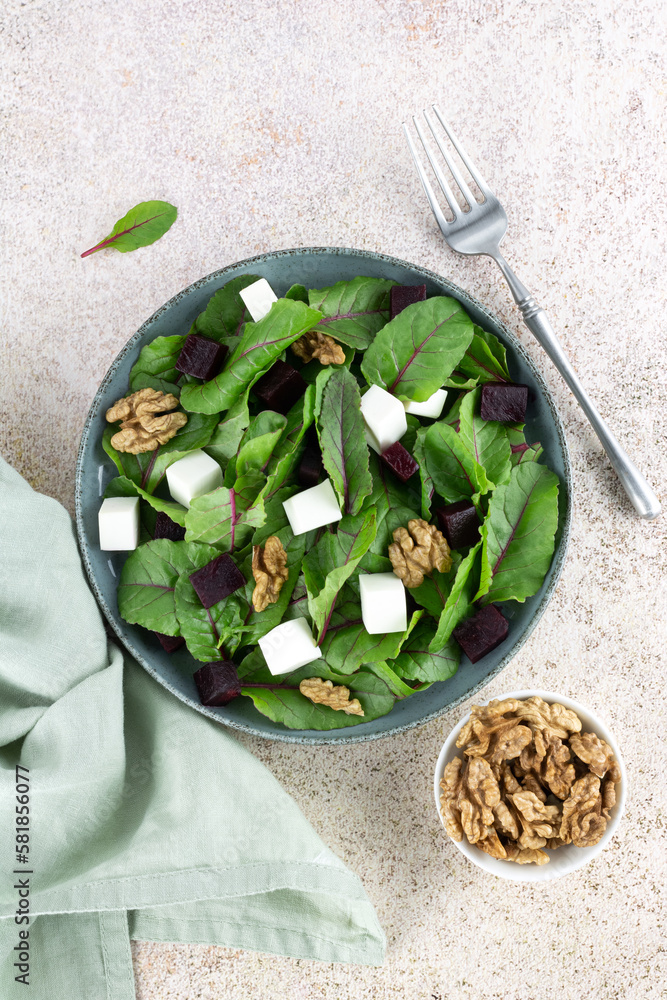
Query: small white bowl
[562, 860]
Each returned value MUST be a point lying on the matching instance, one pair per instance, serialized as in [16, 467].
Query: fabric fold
[147, 820]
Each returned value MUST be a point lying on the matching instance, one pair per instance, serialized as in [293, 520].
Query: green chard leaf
[297, 292]
[121, 486]
[393, 502]
[260, 345]
[459, 602]
[143, 225]
[287, 453]
[486, 440]
[147, 583]
[427, 487]
[347, 645]
[433, 593]
[226, 516]
[147, 470]
[155, 368]
[226, 438]
[340, 428]
[521, 450]
[518, 534]
[202, 628]
[226, 312]
[455, 473]
[353, 311]
[332, 561]
[259, 441]
[413, 354]
[485, 360]
[418, 662]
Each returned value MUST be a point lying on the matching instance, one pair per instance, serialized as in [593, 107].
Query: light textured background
[274, 125]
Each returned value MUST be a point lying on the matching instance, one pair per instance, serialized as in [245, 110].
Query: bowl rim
[536, 873]
[353, 734]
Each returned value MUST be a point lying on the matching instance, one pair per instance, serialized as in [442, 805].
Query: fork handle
[633, 482]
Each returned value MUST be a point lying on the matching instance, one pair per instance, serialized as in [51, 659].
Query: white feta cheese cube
[312, 508]
[193, 476]
[289, 646]
[258, 298]
[118, 521]
[384, 416]
[431, 407]
[383, 604]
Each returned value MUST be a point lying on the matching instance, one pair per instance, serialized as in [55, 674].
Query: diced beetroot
[504, 402]
[170, 642]
[217, 580]
[166, 528]
[459, 523]
[217, 683]
[279, 388]
[478, 635]
[400, 461]
[310, 468]
[401, 296]
[201, 357]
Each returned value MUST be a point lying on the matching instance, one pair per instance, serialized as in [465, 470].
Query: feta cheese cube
[193, 476]
[431, 407]
[383, 604]
[118, 521]
[258, 298]
[312, 508]
[289, 646]
[384, 416]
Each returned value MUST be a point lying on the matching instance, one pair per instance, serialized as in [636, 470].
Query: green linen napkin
[146, 819]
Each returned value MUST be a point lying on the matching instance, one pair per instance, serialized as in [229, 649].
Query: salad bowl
[315, 268]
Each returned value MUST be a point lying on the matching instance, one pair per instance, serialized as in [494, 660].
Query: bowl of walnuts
[530, 786]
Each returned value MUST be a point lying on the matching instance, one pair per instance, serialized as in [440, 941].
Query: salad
[458, 509]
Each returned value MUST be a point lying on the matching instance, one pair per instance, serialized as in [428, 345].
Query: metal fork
[480, 230]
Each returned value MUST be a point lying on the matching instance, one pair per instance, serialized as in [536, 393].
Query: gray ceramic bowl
[315, 268]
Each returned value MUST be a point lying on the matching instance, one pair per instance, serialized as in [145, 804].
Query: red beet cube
[401, 296]
[217, 683]
[170, 642]
[504, 402]
[459, 523]
[201, 357]
[478, 635]
[217, 580]
[279, 388]
[400, 461]
[166, 528]
[310, 468]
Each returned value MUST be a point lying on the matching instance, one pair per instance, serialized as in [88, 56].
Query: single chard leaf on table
[226, 312]
[143, 225]
[414, 353]
[455, 473]
[459, 602]
[418, 662]
[332, 561]
[226, 516]
[147, 469]
[486, 440]
[353, 311]
[147, 584]
[518, 534]
[485, 360]
[121, 486]
[340, 428]
[260, 345]
[155, 368]
[202, 628]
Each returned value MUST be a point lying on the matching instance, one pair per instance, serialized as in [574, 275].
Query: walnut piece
[417, 550]
[315, 344]
[528, 779]
[323, 692]
[141, 429]
[269, 568]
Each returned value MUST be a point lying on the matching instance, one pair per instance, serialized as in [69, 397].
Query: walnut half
[269, 568]
[314, 344]
[417, 550]
[141, 428]
[337, 697]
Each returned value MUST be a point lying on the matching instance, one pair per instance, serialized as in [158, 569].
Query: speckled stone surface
[278, 125]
